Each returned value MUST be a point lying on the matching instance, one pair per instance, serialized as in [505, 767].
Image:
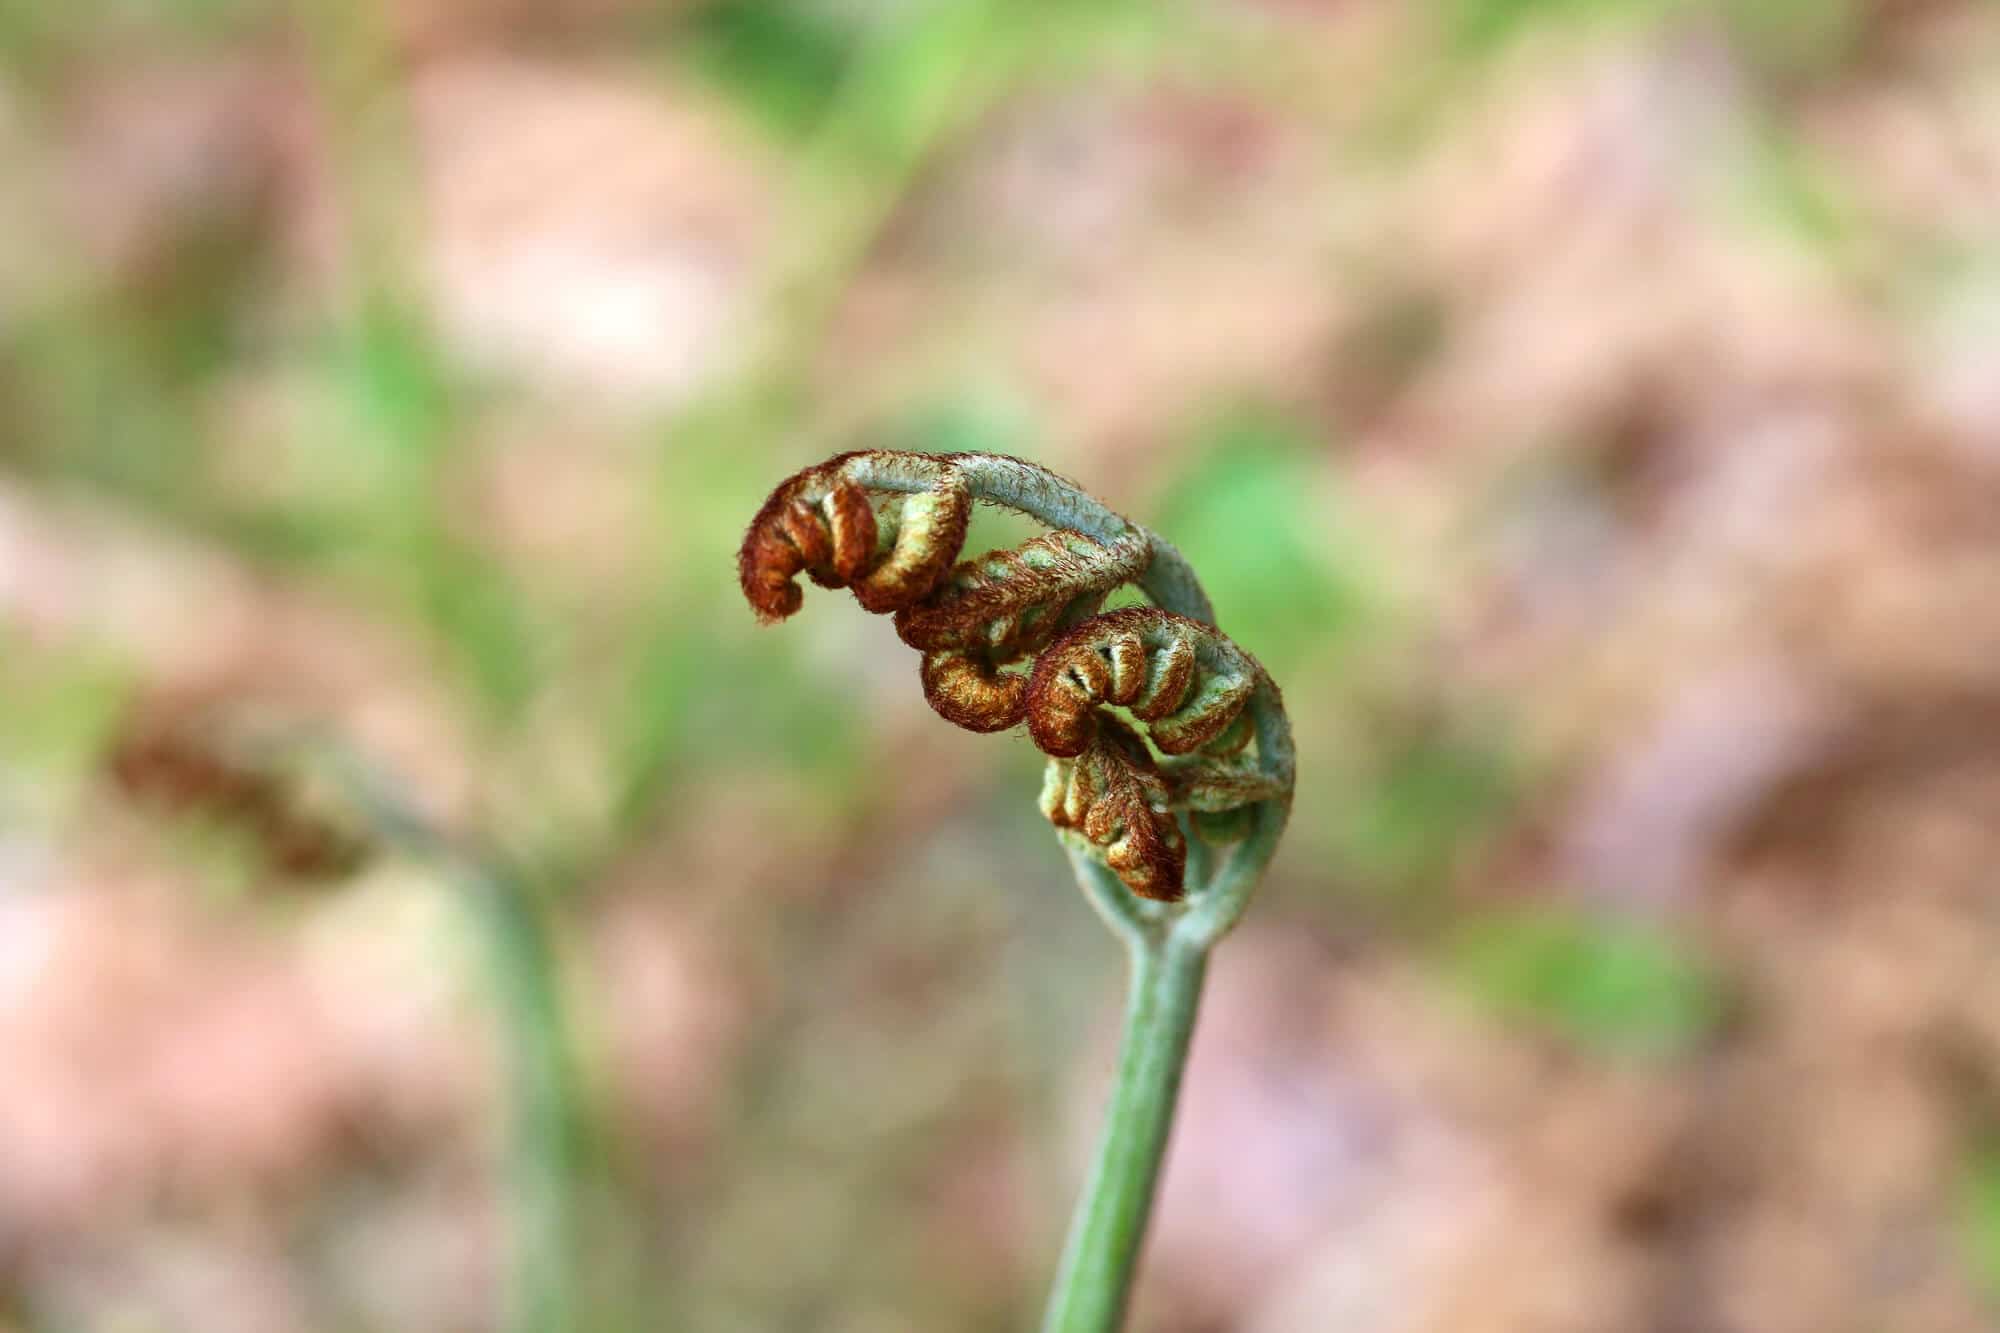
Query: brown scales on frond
[823, 524]
[1107, 794]
[1019, 635]
[1002, 608]
[1182, 678]
[830, 537]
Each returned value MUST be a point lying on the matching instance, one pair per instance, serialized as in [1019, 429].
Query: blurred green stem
[542, 1109]
[1095, 1279]
[544, 1101]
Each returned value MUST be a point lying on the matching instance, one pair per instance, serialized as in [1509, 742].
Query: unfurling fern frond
[1147, 713]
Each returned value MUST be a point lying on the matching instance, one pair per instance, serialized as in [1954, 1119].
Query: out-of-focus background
[428, 902]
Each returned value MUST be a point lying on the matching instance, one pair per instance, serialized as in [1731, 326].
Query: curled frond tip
[1147, 715]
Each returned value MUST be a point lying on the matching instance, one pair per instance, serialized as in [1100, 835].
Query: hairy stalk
[1170, 759]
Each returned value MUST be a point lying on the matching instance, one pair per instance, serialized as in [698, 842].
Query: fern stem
[1168, 948]
[1101, 1255]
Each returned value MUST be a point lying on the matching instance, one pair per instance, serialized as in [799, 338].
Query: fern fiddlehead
[1165, 739]
[1143, 710]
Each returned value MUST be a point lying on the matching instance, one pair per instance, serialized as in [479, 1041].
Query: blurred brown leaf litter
[1615, 382]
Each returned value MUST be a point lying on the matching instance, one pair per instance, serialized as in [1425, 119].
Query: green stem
[1168, 946]
[1095, 1279]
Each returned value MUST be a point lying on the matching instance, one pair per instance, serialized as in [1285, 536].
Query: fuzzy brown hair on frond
[1149, 714]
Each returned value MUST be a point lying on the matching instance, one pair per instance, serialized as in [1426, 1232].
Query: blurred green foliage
[786, 59]
[58, 710]
[1787, 37]
[1279, 550]
[1979, 1212]
[1479, 27]
[1615, 986]
[1427, 796]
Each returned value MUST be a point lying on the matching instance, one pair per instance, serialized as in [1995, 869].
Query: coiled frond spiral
[1158, 727]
